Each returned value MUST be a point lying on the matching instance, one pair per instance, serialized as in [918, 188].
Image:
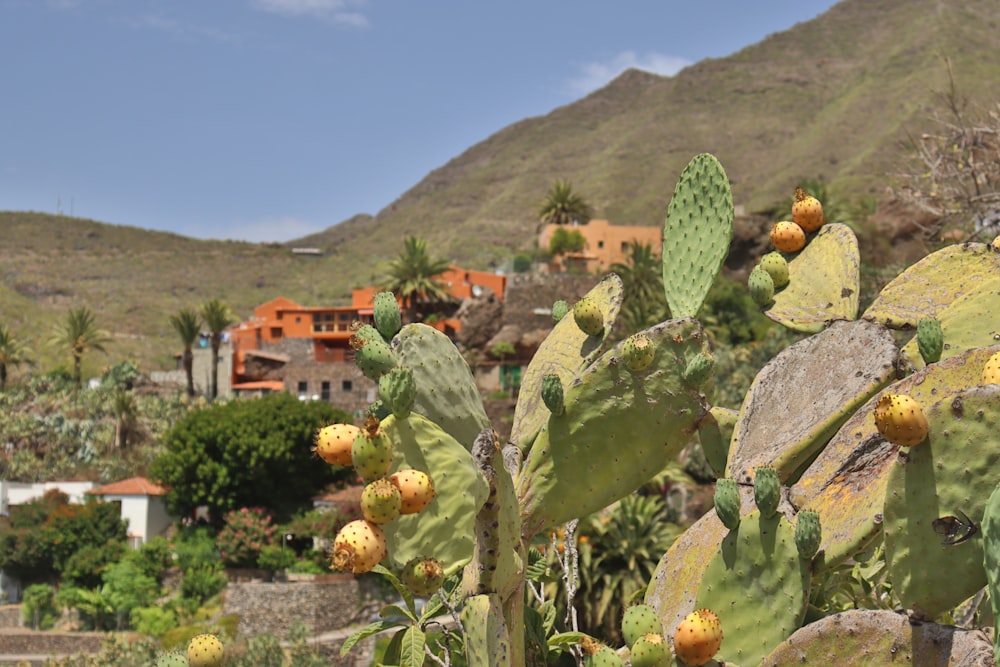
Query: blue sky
[265, 120]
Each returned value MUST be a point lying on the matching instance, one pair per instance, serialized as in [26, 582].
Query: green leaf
[364, 633]
[390, 610]
[412, 649]
[566, 639]
[403, 591]
[391, 655]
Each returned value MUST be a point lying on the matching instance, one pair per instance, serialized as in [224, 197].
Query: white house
[142, 505]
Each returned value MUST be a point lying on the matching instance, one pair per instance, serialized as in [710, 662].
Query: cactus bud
[808, 534]
[930, 340]
[777, 267]
[698, 370]
[727, 502]
[559, 310]
[422, 576]
[552, 394]
[398, 390]
[371, 352]
[388, 320]
[588, 317]
[638, 351]
[761, 287]
[766, 490]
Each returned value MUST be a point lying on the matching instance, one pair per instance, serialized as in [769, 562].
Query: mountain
[835, 98]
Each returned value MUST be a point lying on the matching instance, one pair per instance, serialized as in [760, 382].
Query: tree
[187, 323]
[247, 453]
[564, 241]
[218, 318]
[79, 334]
[563, 206]
[13, 352]
[642, 276]
[412, 276]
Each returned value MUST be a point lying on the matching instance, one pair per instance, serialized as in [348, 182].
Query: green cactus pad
[564, 352]
[846, 484]
[952, 473]
[696, 234]
[398, 390]
[935, 282]
[715, 433]
[487, 638]
[823, 282]
[618, 430]
[758, 561]
[444, 529]
[991, 560]
[802, 396]
[867, 637]
[446, 390]
[965, 323]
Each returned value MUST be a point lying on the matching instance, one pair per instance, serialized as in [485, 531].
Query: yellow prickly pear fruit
[996, 244]
[415, 488]
[588, 317]
[205, 650]
[900, 420]
[698, 637]
[788, 237]
[333, 443]
[807, 212]
[358, 547]
[991, 371]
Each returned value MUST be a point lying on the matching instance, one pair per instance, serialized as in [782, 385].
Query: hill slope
[829, 98]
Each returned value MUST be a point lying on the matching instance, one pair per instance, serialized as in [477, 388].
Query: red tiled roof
[134, 486]
[274, 385]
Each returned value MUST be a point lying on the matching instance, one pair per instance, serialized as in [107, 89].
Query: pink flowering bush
[245, 534]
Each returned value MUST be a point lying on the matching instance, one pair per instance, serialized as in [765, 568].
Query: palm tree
[642, 276]
[125, 411]
[563, 206]
[218, 318]
[13, 352]
[79, 333]
[412, 276]
[187, 324]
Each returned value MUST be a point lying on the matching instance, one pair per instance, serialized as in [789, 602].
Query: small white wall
[19, 493]
[146, 515]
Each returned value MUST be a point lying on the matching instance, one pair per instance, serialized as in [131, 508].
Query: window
[600, 244]
[303, 387]
[324, 392]
[275, 332]
[347, 385]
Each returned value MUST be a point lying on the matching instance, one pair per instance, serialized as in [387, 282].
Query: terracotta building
[606, 244]
[304, 350]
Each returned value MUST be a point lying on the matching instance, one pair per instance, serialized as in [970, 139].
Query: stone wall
[10, 616]
[26, 642]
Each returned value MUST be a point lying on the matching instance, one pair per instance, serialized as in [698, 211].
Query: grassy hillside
[830, 98]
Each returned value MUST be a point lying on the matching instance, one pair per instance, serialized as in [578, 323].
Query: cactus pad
[823, 282]
[696, 234]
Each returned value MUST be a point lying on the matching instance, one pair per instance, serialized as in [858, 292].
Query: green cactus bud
[381, 501]
[639, 620]
[588, 317]
[698, 370]
[638, 350]
[930, 340]
[371, 453]
[552, 394]
[727, 502]
[388, 319]
[777, 267]
[371, 352]
[398, 390]
[808, 533]
[559, 310]
[761, 287]
[766, 490]
[422, 576]
[650, 650]
[379, 409]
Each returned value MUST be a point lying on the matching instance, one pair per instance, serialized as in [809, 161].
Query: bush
[38, 610]
[244, 536]
[195, 547]
[201, 583]
[153, 621]
[274, 558]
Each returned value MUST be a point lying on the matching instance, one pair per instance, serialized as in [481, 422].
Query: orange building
[606, 244]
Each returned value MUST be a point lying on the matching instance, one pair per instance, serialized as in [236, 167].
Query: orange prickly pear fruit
[358, 547]
[698, 637]
[788, 237]
[991, 371]
[807, 212]
[900, 420]
[996, 244]
[333, 443]
[416, 489]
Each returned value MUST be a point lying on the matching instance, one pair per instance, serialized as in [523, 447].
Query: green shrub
[153, 621]
[38, 609]
[274, 558]
[201, 583]
[195, 547]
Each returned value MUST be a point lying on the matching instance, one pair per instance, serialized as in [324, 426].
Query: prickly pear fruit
[639, 620]
[552, 394]
[727, 502]
[808, 533]
[650, 650]
[381, 501]
[333, 443]
[807, 212]
[388, 320]
[588, 317]
[900, 420]
[930, 340]
[559, 310]
[597, 654]
[205, 650]
[699, 368]
[638, 351]
[788, 237]
[416, 489]
[698, 637]
[398, 391]
[766, 490]
[991, 371]
[371, 352]
[422, 576]
[358, 547]
[761, 287]
[371, 452]
[995, 244]
[172, 659]
[777, 267]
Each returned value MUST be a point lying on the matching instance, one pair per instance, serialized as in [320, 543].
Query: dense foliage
[247, 454]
